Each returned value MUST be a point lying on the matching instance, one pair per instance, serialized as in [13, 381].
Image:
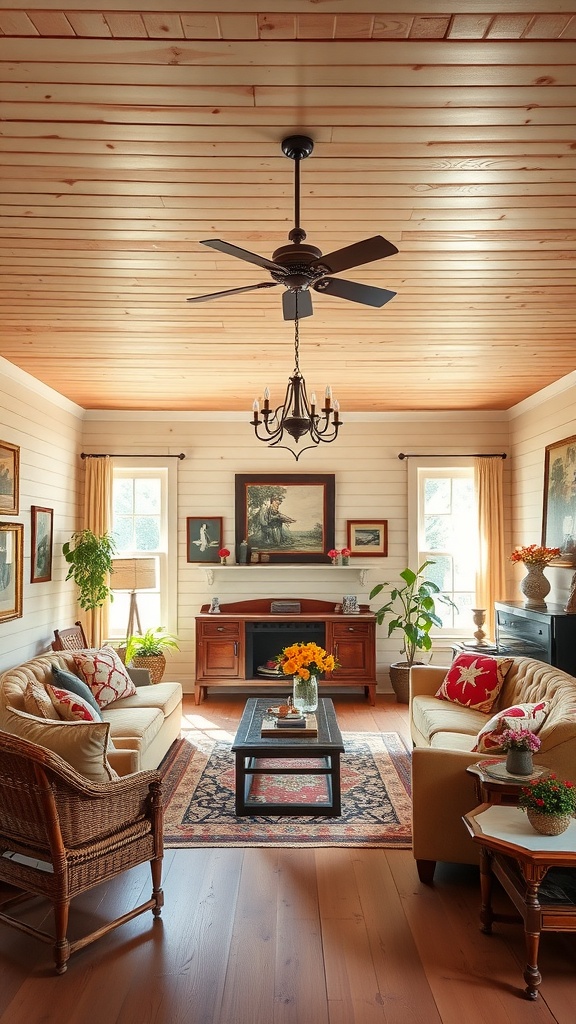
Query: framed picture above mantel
[367, 537]
[287, 517]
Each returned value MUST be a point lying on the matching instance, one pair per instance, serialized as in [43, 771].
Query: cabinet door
[220, 651]
[353, 647]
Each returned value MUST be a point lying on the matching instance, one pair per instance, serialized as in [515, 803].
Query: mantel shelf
[211, 571]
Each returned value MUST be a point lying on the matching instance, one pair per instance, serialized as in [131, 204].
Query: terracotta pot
[548, 824]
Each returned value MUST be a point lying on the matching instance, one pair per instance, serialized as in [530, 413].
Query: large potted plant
[90, 559]
[147, 651]
[412, 610]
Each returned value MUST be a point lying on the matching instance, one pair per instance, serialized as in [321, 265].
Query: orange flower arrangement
[305, 660]
[534, 554]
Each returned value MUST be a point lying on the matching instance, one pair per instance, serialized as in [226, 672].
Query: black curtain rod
[451, 455]
[131, 455]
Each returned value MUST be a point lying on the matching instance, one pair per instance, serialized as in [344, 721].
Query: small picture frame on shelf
[203, 538]
[367, 538]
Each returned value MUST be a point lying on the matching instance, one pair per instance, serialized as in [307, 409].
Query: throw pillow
[37, 701]
[519, 716]
[474, 681]
[82, 744]
[71, 707]
[68, 681]
[105, 675]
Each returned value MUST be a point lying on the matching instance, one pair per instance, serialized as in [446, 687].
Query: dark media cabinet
[547, 634]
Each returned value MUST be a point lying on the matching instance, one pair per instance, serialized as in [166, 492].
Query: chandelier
[296, 416]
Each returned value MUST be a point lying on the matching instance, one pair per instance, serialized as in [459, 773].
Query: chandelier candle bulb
[266, 399]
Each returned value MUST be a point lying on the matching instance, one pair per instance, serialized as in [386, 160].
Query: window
[140, 527]
[446, 534]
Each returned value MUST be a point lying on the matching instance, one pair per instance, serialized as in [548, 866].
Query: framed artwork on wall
[286, 517]
[9, 477]
[367, 537]
[41, 522]
[11, 569]
[559, 513]
[203, 538]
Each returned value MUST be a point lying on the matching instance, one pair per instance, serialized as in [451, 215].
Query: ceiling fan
[301, 267]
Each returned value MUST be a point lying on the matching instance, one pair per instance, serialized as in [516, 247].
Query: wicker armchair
[61, 835]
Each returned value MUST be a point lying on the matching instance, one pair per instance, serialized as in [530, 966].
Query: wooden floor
[263, 936]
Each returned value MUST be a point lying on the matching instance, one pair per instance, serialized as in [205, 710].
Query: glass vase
[305, 693]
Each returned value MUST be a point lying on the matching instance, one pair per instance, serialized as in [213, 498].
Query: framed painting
[9, 476]
[367, 537]
[559, 513]
[203, 538]
[286, 517]
[41, 520]
[11, 569]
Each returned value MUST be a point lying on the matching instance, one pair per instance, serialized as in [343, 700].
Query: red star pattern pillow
[519, 716]
[70, 707]
[105, 675]
[474, 681]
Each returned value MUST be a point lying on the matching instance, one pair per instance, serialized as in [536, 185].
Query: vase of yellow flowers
[305, 663]
[535, 586]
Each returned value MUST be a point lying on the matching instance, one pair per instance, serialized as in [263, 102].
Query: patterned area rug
[376, 804]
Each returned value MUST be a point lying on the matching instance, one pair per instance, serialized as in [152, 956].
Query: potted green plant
[412, 610]
[90, 559]
[146, 650]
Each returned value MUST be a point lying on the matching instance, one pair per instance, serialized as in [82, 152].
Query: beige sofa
[443, 735]
[142, 727]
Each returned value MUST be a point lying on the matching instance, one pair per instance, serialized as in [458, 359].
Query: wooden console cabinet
[547, 634]
[231, 645]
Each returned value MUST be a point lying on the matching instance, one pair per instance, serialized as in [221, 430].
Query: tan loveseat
[443, 735]
[142, 727]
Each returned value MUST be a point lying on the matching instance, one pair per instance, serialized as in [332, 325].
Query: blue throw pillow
[68, 681]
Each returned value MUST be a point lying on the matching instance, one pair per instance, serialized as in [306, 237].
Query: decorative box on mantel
[237, 646]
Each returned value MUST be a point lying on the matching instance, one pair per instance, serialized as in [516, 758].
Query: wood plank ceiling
[133, 129]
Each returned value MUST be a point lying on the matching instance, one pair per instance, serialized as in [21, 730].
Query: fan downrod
[297, 147]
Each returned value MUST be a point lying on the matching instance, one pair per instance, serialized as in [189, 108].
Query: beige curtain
[98, 518]
[490, 581]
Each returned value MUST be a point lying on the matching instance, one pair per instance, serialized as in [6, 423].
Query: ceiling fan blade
[231, 291]
[296, 304]
[363, 293]
[367, 251]
[243, 254]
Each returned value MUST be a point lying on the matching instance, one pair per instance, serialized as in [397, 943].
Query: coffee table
[250, 747]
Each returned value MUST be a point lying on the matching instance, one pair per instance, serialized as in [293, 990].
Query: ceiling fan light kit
[299, 268]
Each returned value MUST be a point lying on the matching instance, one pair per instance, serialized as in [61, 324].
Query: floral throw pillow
[71, 707]
[105, 675]
[519, 716]
[474, 681]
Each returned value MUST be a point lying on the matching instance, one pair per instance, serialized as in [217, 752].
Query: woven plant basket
[400, 680]
[548, 824]
[155, 663]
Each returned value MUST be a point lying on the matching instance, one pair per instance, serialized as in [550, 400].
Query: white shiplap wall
[543, 420]
[48, 430]
[370, 482]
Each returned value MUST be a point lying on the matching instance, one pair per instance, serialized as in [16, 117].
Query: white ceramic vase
[535, 586]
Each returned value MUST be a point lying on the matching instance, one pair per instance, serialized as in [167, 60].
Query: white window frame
[431, 463]
[167, 472]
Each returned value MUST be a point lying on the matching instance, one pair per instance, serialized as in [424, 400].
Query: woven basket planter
[155, 663]
[548, 824]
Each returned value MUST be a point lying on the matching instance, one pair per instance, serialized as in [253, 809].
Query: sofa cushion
[431, 716]
[37, 701]
[452, 741]
[68, 681]
[165, 696]
[519, 716]
[71, 707]
[139, 726]
[82, 744]
[474, 681]
[105, 675]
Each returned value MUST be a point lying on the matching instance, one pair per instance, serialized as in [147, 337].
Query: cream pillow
[105, 674]
[82, 744]
[37, 701]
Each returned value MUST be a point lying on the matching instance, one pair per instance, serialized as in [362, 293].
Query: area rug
[198, 784]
